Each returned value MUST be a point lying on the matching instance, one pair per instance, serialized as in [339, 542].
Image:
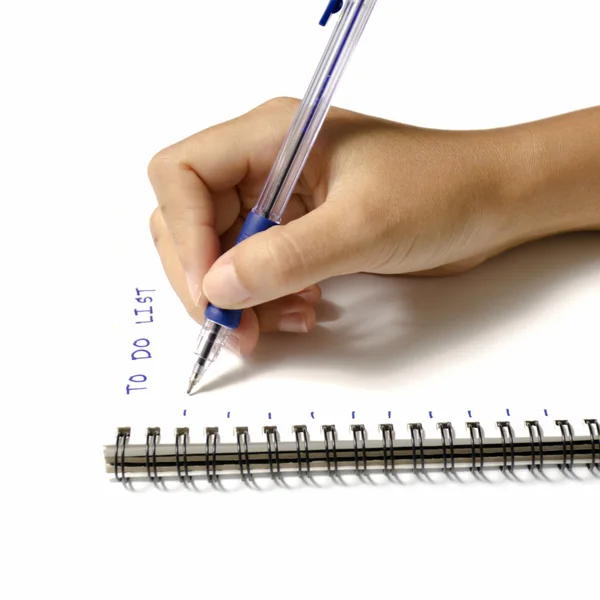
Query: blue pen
[289, 163]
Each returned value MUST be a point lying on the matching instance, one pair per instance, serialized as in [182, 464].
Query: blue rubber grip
[231, 318]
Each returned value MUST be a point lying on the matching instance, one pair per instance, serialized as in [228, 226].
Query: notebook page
[512, 340]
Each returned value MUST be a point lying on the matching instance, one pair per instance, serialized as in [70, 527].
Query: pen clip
[333, 7]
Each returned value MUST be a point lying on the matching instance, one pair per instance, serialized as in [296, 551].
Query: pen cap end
[334, 6]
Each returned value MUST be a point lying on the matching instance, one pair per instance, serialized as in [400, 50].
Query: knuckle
[281, 104]
[156, 225]
[160, 163]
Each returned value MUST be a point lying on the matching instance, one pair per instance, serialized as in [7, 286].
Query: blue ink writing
[184, 412]
[144, 300]
[312, 415]
[141, 345]
[149, 319]
[545, 412]
[389, 414]
[469, 414]
[353, 414]
[269, 415]
[228, 414]
[141, 353]
[430, 415]
[136, 379]
[507, 412]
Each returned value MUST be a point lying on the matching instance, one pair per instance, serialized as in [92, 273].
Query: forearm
[553, 177]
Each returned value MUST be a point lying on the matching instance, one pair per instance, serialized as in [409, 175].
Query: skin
[375, 196]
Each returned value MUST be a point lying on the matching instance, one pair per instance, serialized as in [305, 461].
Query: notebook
[486, 376]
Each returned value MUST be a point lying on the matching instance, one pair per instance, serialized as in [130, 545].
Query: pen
[288, 165]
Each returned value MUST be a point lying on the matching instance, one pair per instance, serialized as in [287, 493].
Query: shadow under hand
[382, 324]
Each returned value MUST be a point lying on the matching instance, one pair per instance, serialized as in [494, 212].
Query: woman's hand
[375, 196]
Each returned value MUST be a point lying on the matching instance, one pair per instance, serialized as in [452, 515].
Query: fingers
[190, 176]
[294, 313]
[291, 314]
[296, 208]
[327, 242]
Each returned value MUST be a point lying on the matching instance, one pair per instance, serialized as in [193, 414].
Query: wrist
[549, 174]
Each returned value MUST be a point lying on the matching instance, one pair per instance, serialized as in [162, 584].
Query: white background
[89, 92]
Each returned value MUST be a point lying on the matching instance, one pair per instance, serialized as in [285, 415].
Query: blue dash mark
[184, 412]
[269, 415]
[312, 415]
[228, 413]
[430, 414]
[353, 414]
[469, 414]
[389, 414]
[545, 412]
[507, 412]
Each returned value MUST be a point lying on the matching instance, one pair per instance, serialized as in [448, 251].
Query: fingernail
[311, 295]
[233, 343]
[225, 287]
[294, 323]
[195, 290]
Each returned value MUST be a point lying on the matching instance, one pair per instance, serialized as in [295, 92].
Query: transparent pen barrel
[313, 110]
[211, 339]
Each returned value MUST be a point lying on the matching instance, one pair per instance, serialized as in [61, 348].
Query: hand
[375, 196]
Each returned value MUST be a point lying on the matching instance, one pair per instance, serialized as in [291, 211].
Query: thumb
[285, 259]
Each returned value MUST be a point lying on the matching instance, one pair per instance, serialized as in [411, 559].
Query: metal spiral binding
[387, 432]
[506, 431]
[182, 435]
[536, 438]
[273, 440]
[447, 433]
[241, 434]
[302, 431]
[359, 433]
[330, 456]
[594, 428]
[152, 439]
[212, 437]
[566, 431]
[330, 435]
[123, 435]
[416, 437]
[476, 427]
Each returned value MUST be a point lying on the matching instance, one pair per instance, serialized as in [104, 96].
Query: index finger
[188, 175]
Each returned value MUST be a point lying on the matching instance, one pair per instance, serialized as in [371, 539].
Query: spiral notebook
[490, 375]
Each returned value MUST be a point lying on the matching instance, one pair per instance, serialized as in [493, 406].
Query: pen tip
[199, 369]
